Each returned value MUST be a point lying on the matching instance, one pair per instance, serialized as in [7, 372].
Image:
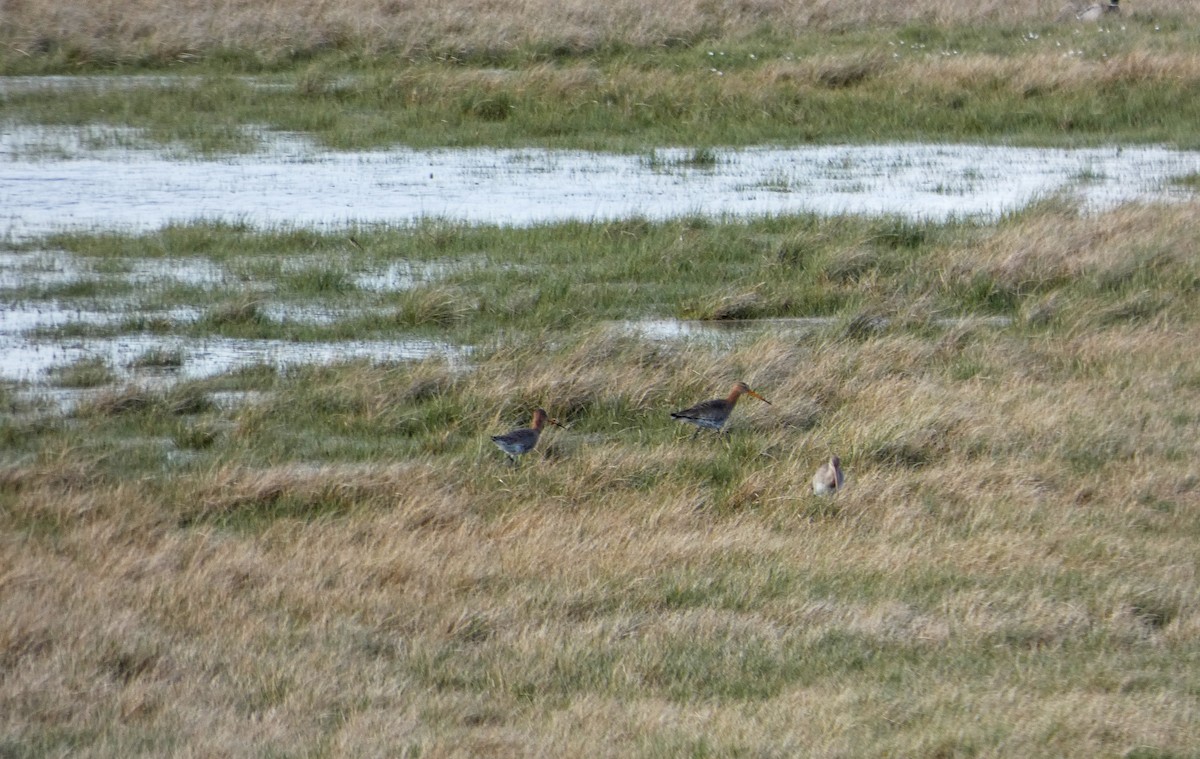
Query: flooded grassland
[96, 302]
[249, 504]
[87, 304]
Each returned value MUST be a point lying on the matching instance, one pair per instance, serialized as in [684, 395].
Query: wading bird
[522, 441]
[713, 414]
[829, 477]
[1098, 10]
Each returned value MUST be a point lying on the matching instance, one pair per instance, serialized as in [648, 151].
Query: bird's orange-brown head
[740, 389]
[540, 418]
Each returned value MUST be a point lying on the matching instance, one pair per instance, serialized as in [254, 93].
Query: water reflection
[725, 330]
[32, 360]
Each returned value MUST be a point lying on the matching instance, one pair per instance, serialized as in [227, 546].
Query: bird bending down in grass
[522, 441]
[829, 477]
[713, 414]
[1096, 11]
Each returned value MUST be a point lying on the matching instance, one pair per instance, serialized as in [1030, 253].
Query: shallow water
[96, 178]
[57, 268]
[29, 351]
[728, 330]
[54, 179]
[31, 360]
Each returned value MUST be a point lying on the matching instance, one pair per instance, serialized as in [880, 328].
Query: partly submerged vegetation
[474, 284]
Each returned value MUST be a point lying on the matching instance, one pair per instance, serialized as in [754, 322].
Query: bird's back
[517, 441]
[706, 414]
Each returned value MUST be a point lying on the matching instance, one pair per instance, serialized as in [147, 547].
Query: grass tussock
[85, 373]
[239, 314]
[431, 307]
[131, 399]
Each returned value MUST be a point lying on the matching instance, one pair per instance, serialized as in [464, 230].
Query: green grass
[356, 519]
[868, 273]
[85, 372]
[1190, 181]
[965, 85]
[489, 278]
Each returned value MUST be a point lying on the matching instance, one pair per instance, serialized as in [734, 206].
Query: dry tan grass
[1108, 249]
[1047, 73]
[181, 27]
[262, 642]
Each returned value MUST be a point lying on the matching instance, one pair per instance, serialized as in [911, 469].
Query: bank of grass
[344, 564]
[285, 32]
[1040, 97]
[1031, 80]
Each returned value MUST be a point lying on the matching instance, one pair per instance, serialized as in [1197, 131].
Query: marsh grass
[84, 373]
[319, 280]
[160, 358]
[1190, 181]
[344, 564]
[301, 32]
[959, 84]
[485, 278]
[348, 562]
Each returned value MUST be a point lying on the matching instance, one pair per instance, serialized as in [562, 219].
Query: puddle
[16, 85]
[46, 269]
[58, 178]
[24, 317]
[56, 269]
[19, 85]
[19, 318]
[728, 329]
[31, 361]
[64, 400]
[28, 357]
[676, 329]
[401, 275]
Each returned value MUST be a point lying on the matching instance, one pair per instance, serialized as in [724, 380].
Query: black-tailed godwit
[829, 477]
[522, 441]
[1098, 10]
[713, 414]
